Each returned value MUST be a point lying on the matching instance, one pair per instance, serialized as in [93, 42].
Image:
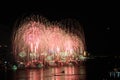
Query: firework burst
[36, 37]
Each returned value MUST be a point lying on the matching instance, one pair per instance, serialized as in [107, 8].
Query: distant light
[22, 54]
[14, 67]
[5, 62]
[40, 65]
[84, 54]
[81, 57]
[108, 28]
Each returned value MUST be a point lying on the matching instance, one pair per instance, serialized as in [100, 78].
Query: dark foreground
[93, 69]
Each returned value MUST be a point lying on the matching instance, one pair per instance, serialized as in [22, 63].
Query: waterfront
[93, 69]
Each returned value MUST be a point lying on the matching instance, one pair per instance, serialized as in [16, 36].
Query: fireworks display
[37, 39]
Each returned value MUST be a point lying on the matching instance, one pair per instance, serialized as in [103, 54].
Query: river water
[96, 69]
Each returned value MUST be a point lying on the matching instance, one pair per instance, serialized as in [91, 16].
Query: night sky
[100, 23]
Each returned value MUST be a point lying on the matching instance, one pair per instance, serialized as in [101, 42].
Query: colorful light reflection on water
[58, 73]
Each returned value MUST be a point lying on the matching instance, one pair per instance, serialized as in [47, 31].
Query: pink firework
[36, 37]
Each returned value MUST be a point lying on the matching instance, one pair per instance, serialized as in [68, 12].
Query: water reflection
[57, 73]
[93, 69]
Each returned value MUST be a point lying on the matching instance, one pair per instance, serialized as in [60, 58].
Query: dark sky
[99, 21]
